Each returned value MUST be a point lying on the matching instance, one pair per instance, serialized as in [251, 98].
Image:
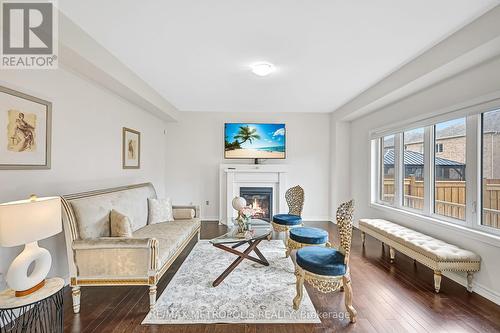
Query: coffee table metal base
[252, 246]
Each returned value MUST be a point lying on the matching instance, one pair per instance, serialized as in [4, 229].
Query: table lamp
[26, 222]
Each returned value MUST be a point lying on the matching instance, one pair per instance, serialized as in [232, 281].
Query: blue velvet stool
[322, 260]
[304, 236]
[323, 267]
[287, 219]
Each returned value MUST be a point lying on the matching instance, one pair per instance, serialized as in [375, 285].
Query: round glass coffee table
[231, 241]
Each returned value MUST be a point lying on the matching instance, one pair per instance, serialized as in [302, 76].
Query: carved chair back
[295, 199]
[344, 223]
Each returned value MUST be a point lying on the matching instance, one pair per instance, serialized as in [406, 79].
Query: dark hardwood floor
[395, 297]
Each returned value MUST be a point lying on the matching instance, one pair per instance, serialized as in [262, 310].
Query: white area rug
[252, 293]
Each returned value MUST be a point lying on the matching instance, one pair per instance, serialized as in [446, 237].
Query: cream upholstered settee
[96, 259]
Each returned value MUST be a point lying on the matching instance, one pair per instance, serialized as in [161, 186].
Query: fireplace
[260, 199]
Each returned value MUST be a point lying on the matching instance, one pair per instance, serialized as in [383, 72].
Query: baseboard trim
[209, 218]
[316, 219]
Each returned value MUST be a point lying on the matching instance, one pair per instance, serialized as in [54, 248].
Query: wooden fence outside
[491, 202]
[450, 198]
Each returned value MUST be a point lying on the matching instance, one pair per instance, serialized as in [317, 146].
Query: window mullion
[376, 174]
[472, 171]
[428, 170]
[398, 170]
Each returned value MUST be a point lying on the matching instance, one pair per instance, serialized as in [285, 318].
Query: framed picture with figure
[131, 150]
[25, 131]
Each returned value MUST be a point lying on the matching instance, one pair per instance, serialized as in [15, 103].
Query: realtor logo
[28, 35]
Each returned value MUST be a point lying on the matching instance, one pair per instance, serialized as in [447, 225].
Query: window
[449, 169]
[387, 185]
[491, 169]
[413, 169]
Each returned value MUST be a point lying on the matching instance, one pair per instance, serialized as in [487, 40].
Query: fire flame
[256, 207]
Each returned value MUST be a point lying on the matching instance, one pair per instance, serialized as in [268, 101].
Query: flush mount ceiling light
[262, 68]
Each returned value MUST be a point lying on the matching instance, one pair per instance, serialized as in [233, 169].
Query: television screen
[248, 140]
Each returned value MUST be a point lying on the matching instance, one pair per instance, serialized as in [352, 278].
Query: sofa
[96, 259]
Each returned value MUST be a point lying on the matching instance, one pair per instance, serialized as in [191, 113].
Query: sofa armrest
[196, 209]
[116, 257]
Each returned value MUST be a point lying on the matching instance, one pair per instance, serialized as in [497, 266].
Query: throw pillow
[160, 210]
[120, 225]
[184, 213]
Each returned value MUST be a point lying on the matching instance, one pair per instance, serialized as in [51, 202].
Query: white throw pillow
[120, 225]
[160, 210]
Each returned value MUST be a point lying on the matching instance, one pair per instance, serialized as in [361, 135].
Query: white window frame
[432, 152]
[380, 171]
[479, 181]
[402, 168]
[472, 111]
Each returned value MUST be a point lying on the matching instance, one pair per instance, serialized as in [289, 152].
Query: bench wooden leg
[470, 275]
[392, 253]
[437, 281]
[363, 237]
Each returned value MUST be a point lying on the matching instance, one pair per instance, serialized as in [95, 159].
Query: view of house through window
[387, 186]
[413, 183]
[449, 168]
[491, 169]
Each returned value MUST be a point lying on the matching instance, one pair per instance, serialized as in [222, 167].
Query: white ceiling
[196, 53]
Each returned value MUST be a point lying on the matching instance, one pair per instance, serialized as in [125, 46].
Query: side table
[41, 311]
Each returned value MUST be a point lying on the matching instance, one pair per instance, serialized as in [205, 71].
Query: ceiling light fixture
[262, 68]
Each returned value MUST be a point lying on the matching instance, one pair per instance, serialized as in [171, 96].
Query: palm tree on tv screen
[246, 134]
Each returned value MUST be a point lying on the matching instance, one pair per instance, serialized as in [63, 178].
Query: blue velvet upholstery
[309, 235]
[321, 260]
[287, 219]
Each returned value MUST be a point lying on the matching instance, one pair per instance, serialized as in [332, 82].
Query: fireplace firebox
[260, 199]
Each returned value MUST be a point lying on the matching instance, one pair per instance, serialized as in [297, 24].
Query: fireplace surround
[233, 177]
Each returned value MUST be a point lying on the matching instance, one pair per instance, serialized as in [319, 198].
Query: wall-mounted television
[253, 140]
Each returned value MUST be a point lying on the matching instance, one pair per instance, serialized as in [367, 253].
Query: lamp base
[26, 292]
[18, 277]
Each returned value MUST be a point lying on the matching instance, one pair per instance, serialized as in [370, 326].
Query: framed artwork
[25, 131]
[131, 150]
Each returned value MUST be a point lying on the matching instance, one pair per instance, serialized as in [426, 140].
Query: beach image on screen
[254, 140]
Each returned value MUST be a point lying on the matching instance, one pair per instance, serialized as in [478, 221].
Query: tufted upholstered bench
[434, 253]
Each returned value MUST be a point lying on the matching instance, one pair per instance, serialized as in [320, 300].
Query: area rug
[252, 293]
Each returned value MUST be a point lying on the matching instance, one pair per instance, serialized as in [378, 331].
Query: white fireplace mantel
[234, 176]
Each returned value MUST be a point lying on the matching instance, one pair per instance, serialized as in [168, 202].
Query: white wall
[466, 86]
[195, 148]
[86, 147]
[340, 174]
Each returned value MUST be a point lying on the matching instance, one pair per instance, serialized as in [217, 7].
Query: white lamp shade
[27, 221]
